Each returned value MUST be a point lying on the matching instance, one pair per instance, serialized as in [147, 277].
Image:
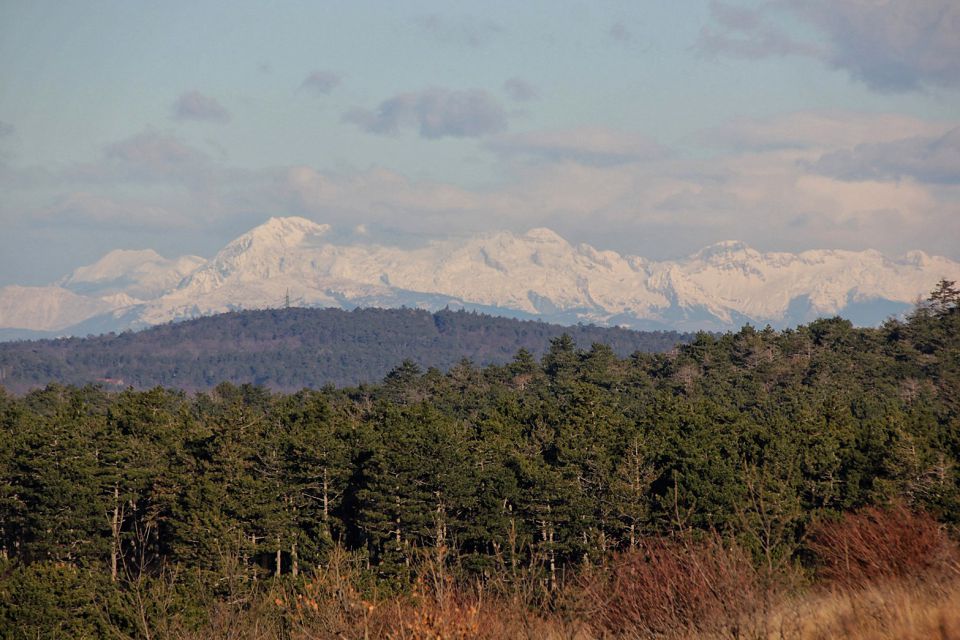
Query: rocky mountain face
[291, 261]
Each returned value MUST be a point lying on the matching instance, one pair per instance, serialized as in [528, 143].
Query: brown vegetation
[882, 574]
[877, 544]
[678, 587]
[892, 610]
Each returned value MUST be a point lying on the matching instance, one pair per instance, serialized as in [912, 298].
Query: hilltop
[287, 349]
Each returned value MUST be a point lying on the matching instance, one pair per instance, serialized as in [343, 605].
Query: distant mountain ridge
[537, 274]
[288, 349]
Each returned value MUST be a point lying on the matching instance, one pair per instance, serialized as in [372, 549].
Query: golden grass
[893, 610]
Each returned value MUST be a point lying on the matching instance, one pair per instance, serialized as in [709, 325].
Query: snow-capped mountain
[141, 275]
[535, 274]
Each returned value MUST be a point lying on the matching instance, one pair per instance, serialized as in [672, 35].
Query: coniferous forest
[289, 349]
[721, 489]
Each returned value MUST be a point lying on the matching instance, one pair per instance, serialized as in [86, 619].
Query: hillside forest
[720, 489]
[292, 348]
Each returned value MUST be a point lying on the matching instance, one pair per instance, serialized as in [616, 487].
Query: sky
[649, 128]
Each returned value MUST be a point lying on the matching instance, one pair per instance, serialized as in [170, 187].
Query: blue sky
[650, 128]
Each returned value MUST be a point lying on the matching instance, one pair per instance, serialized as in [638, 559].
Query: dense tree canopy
[751, 434]
[288, 349]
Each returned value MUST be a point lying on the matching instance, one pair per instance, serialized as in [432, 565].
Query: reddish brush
[881, 543]
[671, 587]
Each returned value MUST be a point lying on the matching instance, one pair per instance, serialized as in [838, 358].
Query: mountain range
[293, 261]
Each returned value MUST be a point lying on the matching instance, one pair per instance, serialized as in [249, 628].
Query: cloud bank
[791, 182]
[930, 160]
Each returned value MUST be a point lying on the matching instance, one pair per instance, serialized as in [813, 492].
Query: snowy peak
[542, 234]
[916, 258]
[261, 253]
[537, 273]
[279, 233]
[267, 242]
[116, 264]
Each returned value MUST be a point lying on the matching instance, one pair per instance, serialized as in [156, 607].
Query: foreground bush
[882, 543]
[670, 588]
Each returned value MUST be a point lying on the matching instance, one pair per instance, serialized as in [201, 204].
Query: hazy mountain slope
[538, 273]
[47, 308]
[292, 348]
[107, 289]
[139, 274]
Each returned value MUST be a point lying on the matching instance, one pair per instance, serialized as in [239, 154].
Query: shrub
[879, 543]
[673, 587]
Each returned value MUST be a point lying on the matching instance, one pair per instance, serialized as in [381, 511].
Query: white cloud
[767, 198]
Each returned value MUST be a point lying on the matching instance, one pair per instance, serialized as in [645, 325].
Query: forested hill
[288, 349]
[555, 487]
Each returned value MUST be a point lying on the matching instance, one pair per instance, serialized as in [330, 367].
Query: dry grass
[329, 605]
[894, 610]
